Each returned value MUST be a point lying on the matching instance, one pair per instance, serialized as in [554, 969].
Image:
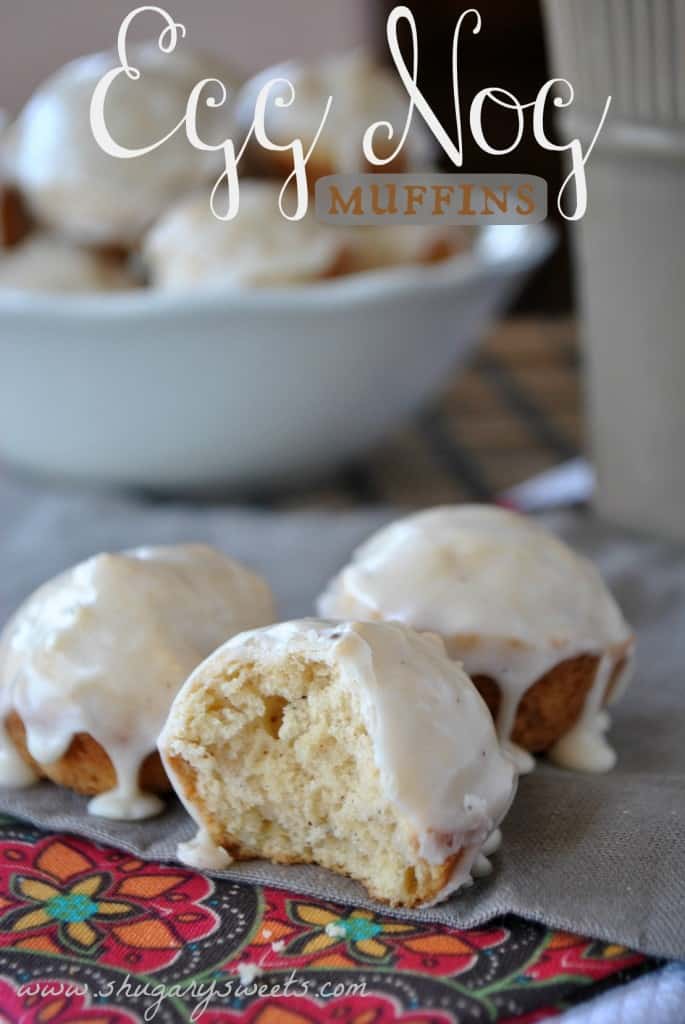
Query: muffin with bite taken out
[360, 747]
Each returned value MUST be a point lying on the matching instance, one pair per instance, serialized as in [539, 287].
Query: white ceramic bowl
[200, 391]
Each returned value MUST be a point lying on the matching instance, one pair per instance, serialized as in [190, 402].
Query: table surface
[90, 934]
[512, 413]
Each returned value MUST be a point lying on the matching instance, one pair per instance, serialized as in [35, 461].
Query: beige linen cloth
[602, 855]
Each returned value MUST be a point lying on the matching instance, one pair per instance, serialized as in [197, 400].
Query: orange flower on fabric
[60, 903]
[360, 933]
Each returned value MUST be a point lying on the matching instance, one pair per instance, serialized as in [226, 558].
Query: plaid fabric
[514, 412]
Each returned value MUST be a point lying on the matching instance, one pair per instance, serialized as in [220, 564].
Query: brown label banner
[423, 198]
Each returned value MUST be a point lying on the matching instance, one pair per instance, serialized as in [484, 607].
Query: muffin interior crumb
[283, 767]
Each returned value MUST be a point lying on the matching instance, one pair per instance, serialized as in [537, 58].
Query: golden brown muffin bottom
[553, 704]
[263, 163]
[423, 882]
[15, 220]
[86, 767]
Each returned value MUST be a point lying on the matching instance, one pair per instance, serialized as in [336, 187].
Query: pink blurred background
[254, 34]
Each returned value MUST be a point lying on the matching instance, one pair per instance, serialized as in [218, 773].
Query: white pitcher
[630, 247]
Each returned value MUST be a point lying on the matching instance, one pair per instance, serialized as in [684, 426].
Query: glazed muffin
[76, 189]
[362, 94]
[532, 622]
[43, 263]
[374, 247]
[15, 222]
[191, 248]
[90, 664]
[360, 747]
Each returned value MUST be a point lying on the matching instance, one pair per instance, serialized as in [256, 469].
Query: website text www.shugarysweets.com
[197, 996]
[572, 199]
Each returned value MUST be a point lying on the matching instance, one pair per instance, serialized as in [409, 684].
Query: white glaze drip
[102, 650]
[584, 747]
[14, 771]
[492, 843]
[248, 973]
[482, 865]
[203, 854]
[511, 601]
[125, 804]
[524, 761]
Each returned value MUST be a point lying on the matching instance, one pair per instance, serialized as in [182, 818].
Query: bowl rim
[499, 249]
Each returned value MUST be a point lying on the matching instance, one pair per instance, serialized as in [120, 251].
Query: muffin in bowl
[76, 189]
[190, 247]
[277, 355]
[362, 93]
[48, 264]
[401, 245]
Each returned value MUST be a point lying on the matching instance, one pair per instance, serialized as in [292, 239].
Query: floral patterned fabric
[91, 935]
